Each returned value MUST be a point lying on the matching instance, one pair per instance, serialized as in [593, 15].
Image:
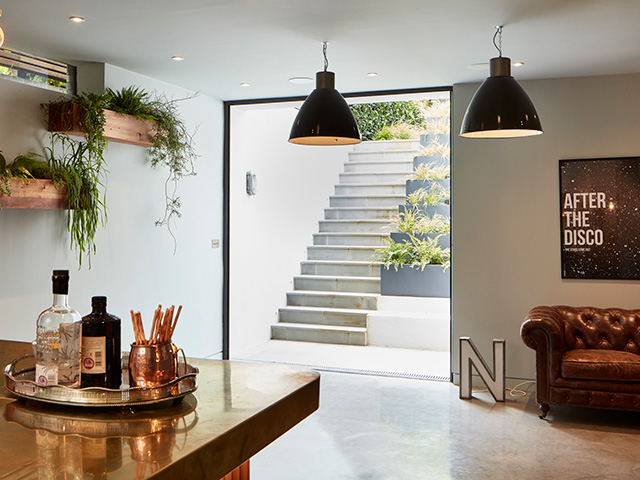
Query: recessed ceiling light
[245, 84]
[76, 19]
[301, 80]
[372, 74]
[177, 58]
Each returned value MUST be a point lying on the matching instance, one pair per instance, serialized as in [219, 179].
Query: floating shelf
[65, 118]
[37, 194]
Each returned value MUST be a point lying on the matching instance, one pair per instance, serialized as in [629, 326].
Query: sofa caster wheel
[544, 409]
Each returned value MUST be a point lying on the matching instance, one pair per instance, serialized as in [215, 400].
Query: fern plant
[415, 253]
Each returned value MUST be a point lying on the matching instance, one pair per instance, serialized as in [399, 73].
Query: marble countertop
[238, 409]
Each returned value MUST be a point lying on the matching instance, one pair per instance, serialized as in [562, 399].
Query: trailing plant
[428, 171]
[416, 252]
[372, 117]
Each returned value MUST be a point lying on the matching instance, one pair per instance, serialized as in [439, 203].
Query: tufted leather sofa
[585, 356]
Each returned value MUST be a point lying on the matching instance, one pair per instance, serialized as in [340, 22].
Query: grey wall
[506, 228]
[134, 265]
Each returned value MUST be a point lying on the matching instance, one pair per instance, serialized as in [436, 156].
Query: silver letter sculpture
[469, 355]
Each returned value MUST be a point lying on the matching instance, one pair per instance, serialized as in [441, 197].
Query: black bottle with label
[101, 363]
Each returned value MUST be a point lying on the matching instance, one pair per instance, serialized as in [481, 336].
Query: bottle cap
[99, 302]
[60, 281]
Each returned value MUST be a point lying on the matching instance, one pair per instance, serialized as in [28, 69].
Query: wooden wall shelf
[37, 194]
[65, 118]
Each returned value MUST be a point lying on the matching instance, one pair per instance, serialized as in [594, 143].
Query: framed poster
[600, 218]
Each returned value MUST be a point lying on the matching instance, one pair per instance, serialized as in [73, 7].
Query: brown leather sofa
[585, 356]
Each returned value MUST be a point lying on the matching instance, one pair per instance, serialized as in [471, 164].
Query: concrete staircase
[338, 286]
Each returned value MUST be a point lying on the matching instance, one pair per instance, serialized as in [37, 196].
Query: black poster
[600, 218]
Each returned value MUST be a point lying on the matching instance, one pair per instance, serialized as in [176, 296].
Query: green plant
[428, 171]
[436, 195]
[130, 101]
[413, 221]
[416, 252]
[435, 149]
[372, 117]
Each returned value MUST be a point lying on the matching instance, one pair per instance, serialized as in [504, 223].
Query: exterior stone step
[324, 316]
[328, 283]
[366, 200]
[338, 268]
[391, 155]
[386, 145]
[381, 226]
[361, 189]
[333, 300]
[319, 333]
[377, 166]
[340, 252]
[372, 177]
[360, 213]
[361, 239]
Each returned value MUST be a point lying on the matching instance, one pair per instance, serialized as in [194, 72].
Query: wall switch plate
[215, 243]
[252, 183]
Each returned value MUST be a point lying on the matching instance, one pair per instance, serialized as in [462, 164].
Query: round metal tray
[20, 376]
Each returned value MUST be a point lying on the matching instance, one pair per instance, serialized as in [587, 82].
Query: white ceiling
[409, 43]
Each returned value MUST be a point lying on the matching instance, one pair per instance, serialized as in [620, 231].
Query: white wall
[506, 227]
[134, 265]
[269, 232]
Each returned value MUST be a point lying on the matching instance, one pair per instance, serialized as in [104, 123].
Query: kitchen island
[238, 409]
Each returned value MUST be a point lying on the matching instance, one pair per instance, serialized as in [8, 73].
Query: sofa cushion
[600, 364]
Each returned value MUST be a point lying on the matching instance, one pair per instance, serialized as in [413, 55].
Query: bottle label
[69, 354]
[94, 352]
[46, 374]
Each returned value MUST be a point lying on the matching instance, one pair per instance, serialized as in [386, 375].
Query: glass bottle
[101, 363]
[58, 338]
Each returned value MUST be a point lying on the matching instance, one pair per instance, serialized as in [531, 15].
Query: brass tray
[20, 380]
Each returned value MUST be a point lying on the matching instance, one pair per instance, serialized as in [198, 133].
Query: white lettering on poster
[576, 222]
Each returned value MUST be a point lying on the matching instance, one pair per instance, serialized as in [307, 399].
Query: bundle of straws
[162, 328]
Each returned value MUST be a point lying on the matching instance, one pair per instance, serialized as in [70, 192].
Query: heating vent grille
[37, 71]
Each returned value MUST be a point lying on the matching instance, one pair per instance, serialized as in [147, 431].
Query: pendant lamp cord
[324, 52]
[498, 35]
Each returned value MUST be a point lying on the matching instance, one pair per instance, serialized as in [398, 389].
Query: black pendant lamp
[324, 117]
[500, 108]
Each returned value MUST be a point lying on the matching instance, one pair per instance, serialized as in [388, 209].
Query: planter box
[434, 160]
[65, 118]
[410, 281]
[444, 241]
[428, 138]
[413, 185]
[37, 194]
[428, 210]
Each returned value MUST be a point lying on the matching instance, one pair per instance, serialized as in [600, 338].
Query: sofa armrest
[543, 331]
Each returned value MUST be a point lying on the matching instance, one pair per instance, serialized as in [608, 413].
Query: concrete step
[358, 301]
[361, 189]
[340, 268]
[324, 316]
[386, 145]
[360, 213]
[366, 200]
[361, 239]
[389, 155]
[381, 226]
[340, 252]
[319, 333]
[373, 177]
[379, 166]
[326, 283]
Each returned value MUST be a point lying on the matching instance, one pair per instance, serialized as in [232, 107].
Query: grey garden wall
[506, 228]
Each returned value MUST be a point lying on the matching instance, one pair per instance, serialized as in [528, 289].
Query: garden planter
[412, 281]
[413, 185]
[443, 242]
[65, 118]
[429, 138]
[433, 160]
[427, 210]
[37, 194]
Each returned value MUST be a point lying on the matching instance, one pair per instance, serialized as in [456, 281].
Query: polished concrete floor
[405, 362]
[383, 428]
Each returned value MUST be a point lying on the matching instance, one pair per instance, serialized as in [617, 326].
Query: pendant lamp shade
[324, 117]
[500, 108]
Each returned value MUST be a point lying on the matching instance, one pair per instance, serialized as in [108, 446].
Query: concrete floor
[383, 428]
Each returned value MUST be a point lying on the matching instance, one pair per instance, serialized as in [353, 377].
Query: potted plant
[418, 268]
[427, 174]
[430, 202]
[414, 223]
